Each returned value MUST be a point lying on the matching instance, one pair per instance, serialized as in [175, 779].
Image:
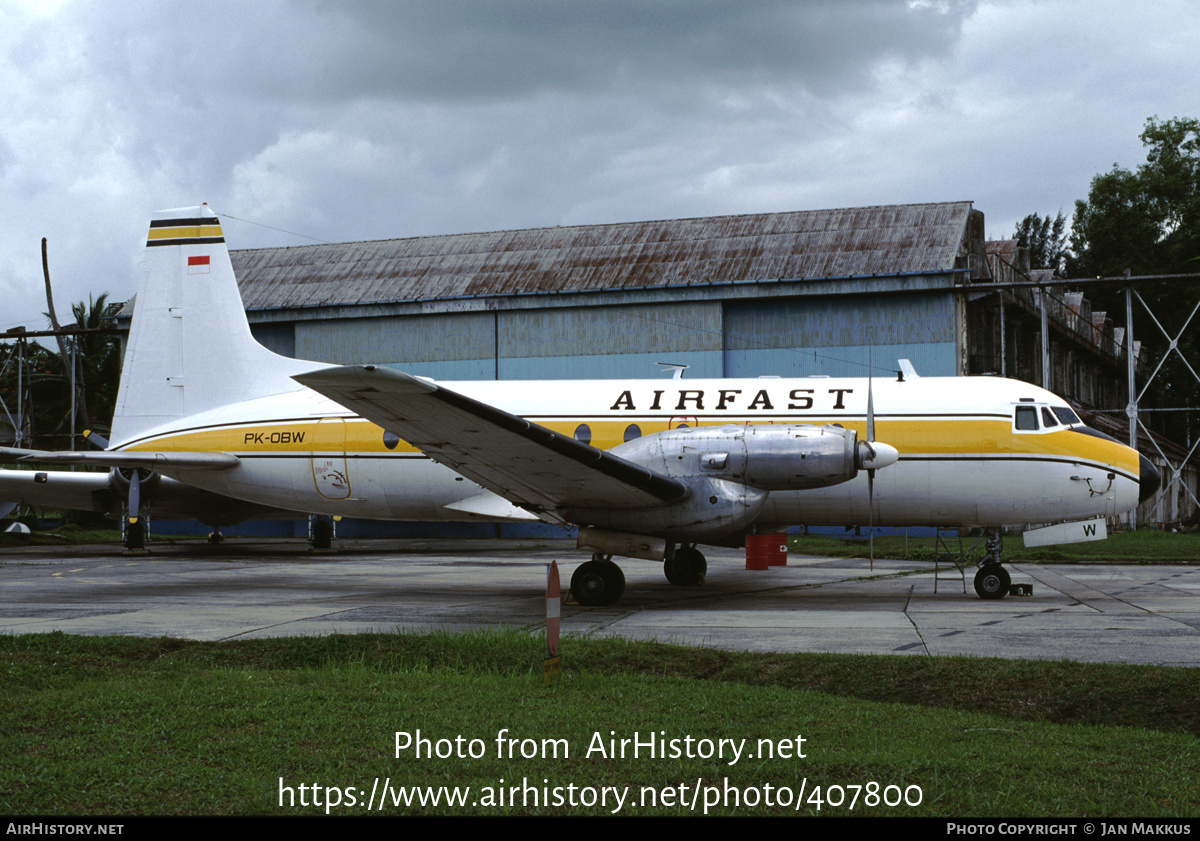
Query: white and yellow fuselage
[964, 460]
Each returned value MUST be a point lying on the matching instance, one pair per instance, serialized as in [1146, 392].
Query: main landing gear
[598, 582]
[687, 568]
[992, 581]
[320, 533]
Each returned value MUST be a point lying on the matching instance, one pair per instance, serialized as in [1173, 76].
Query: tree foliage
[45, 380]
[1146, 221]
[99, 356]
[1046, 241]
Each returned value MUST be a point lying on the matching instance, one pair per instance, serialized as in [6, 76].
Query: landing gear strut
[992, 580]
[598, 583]
[687, 568]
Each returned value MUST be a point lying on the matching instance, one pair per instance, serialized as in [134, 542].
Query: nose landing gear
[992, 581]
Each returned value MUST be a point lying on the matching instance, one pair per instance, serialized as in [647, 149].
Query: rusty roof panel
[882, 240]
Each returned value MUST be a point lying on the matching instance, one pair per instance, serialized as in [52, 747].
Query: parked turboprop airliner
[646, 468]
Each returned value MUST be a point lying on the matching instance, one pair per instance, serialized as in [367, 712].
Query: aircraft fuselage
[973, 451]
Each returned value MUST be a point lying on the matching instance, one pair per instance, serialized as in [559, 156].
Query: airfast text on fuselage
[732, 398]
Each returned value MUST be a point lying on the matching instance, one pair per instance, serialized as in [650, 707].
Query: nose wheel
[992, 580]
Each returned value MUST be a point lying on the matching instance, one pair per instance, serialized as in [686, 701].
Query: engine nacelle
[713, 508]
[730, 471]
[771, 458]
[119, 479]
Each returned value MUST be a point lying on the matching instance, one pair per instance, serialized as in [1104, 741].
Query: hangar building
[787, 294]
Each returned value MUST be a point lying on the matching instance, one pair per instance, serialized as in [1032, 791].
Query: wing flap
[492, 507]
[531, 466]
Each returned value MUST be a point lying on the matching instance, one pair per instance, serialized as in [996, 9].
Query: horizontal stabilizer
[1077, 532]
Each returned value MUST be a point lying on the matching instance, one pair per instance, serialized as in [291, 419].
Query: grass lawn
[124, 726]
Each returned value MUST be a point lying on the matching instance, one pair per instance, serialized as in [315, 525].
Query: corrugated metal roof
[891, 239]
[1005, 248]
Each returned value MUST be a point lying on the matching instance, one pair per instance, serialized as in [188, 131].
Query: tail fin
[190, 347]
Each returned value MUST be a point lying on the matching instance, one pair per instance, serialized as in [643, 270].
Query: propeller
[131, 489]
[871, 470]
[135, 532]
[134, 508]
[873, 455]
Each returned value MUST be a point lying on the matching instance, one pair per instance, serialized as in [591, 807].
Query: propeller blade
[874, 454]
[135, 496]
[870, 406]
[871, 516]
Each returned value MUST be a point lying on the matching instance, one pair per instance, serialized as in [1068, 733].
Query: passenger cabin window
[1026, 419]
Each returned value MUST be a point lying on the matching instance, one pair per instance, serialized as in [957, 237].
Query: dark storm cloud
[480, 49]
[360, 120]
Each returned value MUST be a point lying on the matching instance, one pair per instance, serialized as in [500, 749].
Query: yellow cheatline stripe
[927, 437]
[186, 232]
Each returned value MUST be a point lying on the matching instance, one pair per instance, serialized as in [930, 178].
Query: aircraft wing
[147, 460]
[81, 491]
[531, 466]
[169, 499]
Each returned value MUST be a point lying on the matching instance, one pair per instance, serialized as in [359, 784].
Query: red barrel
[764, 550]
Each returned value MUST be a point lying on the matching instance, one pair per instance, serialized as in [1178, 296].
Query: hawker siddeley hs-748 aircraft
[646, 469]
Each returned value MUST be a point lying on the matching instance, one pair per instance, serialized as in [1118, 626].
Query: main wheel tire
[687, 568]
[597, 583]
[992, 581]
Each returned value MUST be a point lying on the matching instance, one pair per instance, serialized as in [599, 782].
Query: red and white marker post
[553, 624]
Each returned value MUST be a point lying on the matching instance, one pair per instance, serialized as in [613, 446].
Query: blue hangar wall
[778, 335]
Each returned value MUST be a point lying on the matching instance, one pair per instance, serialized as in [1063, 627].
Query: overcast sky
[316, 120]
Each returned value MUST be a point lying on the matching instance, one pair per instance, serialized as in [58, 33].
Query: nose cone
[1148, 479]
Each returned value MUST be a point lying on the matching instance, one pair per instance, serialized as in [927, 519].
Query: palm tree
[98, 357]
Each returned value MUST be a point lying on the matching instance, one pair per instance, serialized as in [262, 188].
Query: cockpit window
[1048, 419]
[1067, 416]
[1026, 418]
